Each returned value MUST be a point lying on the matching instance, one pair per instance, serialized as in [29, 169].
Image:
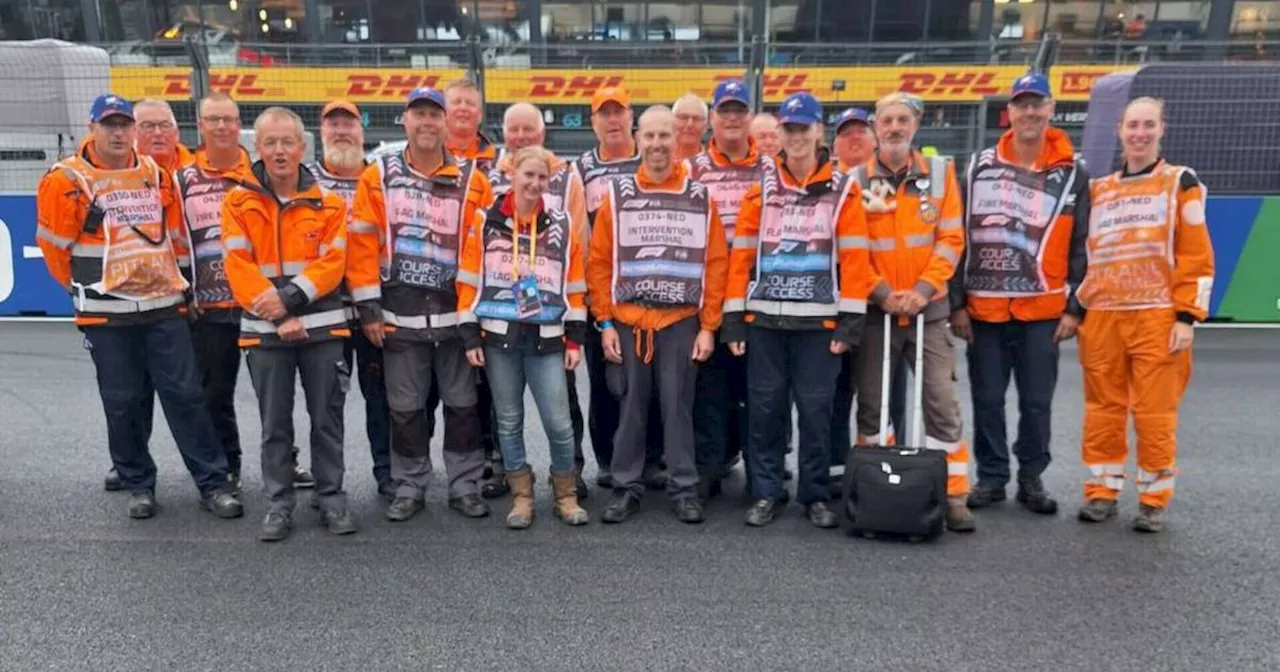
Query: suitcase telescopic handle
[917, 416]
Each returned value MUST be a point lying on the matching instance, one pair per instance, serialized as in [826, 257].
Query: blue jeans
[509, 369]
[135, 362]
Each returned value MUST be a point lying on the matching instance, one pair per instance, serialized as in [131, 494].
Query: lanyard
[533, 244]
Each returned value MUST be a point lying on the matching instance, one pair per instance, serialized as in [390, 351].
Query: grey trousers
[408, 368]
[675, 375]
[326, 377]
[942, 421]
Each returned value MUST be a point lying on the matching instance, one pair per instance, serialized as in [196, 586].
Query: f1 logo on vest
[651, 252]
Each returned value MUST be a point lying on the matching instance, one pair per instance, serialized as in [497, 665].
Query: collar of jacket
[448, 172]
[89, 152]
[721, 159]
[817, 183]
[308, 188]
[677, 176]
[201, 159]
[918, 166]
[508, 207]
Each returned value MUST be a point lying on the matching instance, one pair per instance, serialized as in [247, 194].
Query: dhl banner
[647, 86]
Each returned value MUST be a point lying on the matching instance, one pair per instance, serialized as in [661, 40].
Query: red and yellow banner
[934, 83]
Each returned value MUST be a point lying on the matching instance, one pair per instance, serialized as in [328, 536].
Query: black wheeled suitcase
[896, 491]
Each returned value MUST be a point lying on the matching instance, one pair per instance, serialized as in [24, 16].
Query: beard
[344, 158]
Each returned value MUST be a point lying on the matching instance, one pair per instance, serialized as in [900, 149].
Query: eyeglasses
[155, 126]
[214, 120]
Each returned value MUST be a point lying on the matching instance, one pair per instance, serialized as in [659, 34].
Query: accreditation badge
[929, 211]
[528, 299]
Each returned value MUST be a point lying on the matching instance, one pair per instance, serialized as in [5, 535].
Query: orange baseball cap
[343, 105]
[610, 94]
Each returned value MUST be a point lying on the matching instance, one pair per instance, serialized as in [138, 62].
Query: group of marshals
[709, 289]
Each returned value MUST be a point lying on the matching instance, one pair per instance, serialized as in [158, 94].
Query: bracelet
[607, 324]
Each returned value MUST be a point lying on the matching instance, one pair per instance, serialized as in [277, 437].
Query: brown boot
[959, 518]
[521, 483]
[565, 487]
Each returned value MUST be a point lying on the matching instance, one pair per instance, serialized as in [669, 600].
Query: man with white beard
[342, 141]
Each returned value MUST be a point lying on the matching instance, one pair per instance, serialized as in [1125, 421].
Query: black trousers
[217, 347]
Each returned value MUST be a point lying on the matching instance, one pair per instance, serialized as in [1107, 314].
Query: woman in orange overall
[1149, 281]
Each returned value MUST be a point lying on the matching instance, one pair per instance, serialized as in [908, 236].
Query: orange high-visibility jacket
[601, 271]
[1149, 247]
[487, 273]
[564, 192]
[297, 247]
[1025, 230]
[916, 235]
[479, 150]
[75, 256]
[382, 298]
[201, 191]
[776, 277]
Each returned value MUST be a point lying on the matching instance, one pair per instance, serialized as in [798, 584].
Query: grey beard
[343, 158]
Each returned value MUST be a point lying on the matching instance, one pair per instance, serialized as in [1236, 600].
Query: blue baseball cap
[425, 93]
[800, 108]
[1032, 82]
[852, 114]
[730, 91]
[110, 105]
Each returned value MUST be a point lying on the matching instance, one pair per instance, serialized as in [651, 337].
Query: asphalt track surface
[83, 587]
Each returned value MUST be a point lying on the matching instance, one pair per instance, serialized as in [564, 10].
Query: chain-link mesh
[964, 104]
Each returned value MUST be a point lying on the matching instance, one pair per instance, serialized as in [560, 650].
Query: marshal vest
[1130, 241]
[557, 188]
[135, 269]
[424, 220]
[202, 196]
[496, 299]
[597, 174]
[1013, 213]
[346, 188]
[796, 256]
[726, 185]
[659, 243]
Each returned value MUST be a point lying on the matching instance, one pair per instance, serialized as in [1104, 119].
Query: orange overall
[1150, 265]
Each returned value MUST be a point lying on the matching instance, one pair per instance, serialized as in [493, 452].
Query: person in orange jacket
[522, 126]
[914, 212]
[339, 169]
[107, 218]
[656, 274]
[1149, 281]
[795, 303]
[217, 166]
[285, 243]
[523, 317]
[465, 104]
[1013, 302]
[413, 210]
[158, 135]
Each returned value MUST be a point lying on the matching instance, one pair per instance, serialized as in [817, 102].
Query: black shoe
[821, 515]
[303, 478]
[687, 510]
[623, 505]
[112, 482]
[275, 526]
[495, 487]
[761, 513]
[403, 508]
[709, 488]
[471, 506]
[339, 520]
[387, 490]
[1032, 495]
[604, 478]
[223, 504]
[983, 496]
[142, 504]
[655, 478]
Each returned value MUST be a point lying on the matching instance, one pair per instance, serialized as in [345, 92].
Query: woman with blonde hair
[521, 292]
[1149, 281]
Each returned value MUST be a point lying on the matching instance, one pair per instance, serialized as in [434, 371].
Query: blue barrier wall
[1245, 232]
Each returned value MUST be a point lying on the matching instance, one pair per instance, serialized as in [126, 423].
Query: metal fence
[961, 83]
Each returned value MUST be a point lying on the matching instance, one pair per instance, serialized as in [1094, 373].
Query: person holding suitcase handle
[913, 213]
[1149, 281]
[796, 296]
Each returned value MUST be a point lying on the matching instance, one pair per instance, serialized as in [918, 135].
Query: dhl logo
[232, 85]
[387, 86]
[552, 86]
[948, 83]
